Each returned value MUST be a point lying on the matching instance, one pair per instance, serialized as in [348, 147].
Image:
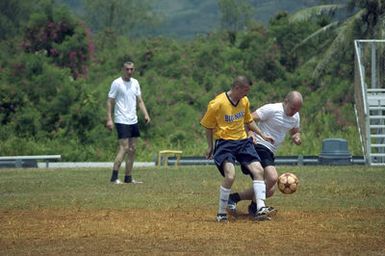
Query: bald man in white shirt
[275, 120]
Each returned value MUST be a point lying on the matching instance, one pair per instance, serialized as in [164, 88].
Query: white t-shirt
[125, 94]
[274, 122]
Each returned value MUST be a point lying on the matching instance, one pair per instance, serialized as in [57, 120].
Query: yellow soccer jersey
[226, 119]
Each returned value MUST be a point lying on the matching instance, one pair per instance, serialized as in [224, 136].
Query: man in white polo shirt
[275, 120]
[123, 98]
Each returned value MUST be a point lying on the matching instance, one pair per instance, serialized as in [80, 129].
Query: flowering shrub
[60, 37]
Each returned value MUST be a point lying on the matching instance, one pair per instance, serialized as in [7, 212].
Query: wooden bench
[26, 161]
[163, 155]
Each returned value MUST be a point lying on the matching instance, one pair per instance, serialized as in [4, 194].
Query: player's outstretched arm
[253, 127]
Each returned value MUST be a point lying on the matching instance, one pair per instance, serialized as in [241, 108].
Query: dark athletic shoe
[133, 182]
[232, 205]
[221, 217]
[262, 214]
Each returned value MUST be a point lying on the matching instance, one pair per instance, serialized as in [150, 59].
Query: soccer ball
[288, 183]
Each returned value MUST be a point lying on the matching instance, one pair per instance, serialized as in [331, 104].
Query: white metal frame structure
[369, 85]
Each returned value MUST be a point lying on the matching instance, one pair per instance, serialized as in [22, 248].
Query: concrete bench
[26, 161]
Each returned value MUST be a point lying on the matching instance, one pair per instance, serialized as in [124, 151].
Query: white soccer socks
[259, 187]
[224, 194]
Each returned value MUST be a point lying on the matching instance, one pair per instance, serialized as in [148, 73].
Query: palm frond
[380, 27]
[315, 34]
[343, 35]
[307, 13]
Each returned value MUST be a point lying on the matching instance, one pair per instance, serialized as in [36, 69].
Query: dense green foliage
[55, 75]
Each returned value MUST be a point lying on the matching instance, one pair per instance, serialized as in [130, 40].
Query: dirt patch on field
[173, 232]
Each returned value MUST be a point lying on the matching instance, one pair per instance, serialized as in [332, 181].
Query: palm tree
[362, 19]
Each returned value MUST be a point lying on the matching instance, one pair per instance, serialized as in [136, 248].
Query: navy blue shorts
[242, 151]
[127, 130]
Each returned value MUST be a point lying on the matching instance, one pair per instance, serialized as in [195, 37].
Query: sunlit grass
[321, 187]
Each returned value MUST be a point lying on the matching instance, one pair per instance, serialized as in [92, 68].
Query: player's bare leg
[259, 187]
[122, 151]
[271, 177]
[131, 150]
[224, 190]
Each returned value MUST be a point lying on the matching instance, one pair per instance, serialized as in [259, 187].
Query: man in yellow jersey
[225, 122]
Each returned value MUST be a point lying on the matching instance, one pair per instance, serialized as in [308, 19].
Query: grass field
[336, 211]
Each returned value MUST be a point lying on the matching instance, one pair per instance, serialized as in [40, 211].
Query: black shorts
[230, 150]
[127, 130]
[266, 156]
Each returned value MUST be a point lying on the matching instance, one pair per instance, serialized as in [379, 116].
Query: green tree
[60, 36]
[235, 16]
[114, 17]
[288, 35]
[13, 16]
[352, 19]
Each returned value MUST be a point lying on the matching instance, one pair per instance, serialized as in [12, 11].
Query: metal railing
[279, 160]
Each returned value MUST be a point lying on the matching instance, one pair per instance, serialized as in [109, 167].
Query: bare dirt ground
[174, 232]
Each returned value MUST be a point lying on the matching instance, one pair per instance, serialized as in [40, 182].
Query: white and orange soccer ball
[288, 183]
